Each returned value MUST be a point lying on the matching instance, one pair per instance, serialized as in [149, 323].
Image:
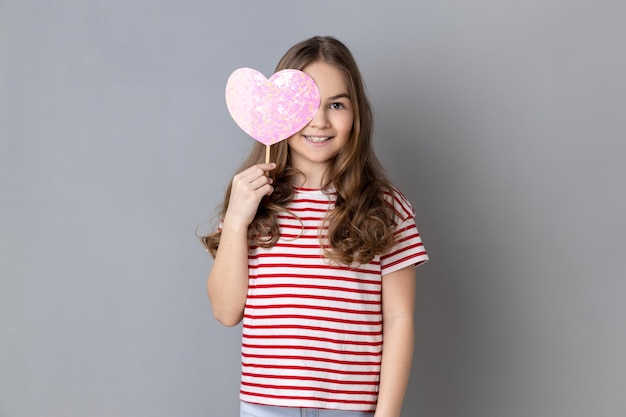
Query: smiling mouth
[317, 139]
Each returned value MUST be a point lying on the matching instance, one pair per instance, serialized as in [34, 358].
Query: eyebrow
[338, 96]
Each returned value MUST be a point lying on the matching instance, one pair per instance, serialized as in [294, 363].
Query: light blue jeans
[256, 410]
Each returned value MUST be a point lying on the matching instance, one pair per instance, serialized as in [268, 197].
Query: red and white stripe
[312, 330]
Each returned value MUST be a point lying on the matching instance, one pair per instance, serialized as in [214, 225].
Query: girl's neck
[310, 181]
[312, 177]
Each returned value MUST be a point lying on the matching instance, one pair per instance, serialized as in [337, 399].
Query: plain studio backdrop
[502, 121]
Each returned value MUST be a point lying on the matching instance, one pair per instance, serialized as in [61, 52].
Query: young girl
[316, 253]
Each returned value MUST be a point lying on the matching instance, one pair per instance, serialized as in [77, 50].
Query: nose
[320, 120]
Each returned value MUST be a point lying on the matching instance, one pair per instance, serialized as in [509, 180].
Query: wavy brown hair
[360, 225]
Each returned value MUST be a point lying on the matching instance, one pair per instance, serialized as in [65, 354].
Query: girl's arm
[227, 284]
[398, 333]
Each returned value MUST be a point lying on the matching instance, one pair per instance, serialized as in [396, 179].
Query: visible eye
[337, 106]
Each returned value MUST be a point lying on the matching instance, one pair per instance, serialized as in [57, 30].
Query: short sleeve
[408, 248]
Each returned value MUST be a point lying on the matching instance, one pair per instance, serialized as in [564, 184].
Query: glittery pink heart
[271, 110]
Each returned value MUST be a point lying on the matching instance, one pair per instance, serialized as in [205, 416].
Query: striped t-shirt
[312, 330]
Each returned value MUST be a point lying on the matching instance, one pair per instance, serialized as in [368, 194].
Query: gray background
[502, 121]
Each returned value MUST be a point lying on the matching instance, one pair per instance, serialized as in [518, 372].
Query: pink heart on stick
[271, 110]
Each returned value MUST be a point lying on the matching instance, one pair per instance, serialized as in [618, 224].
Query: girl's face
[316, 145]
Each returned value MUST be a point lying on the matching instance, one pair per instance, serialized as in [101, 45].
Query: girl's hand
[247, 190]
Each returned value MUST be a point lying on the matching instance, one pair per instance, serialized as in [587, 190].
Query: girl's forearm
[227, 284]
[396, 366]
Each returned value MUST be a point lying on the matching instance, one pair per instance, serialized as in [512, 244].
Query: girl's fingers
[253, 177]
[259, 182]
[267, 167]
[248, 188]
[258, 170]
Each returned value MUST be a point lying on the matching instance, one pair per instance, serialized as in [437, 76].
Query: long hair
[360, 225]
